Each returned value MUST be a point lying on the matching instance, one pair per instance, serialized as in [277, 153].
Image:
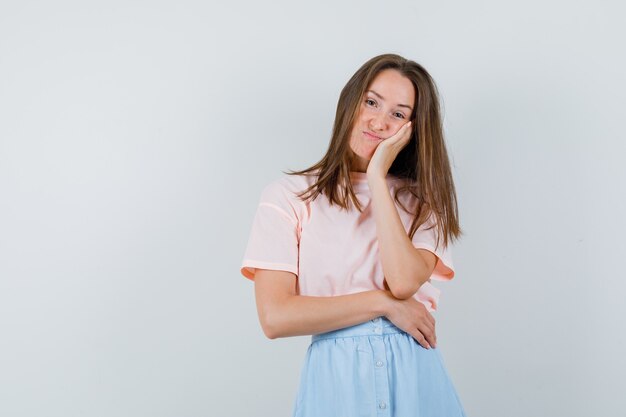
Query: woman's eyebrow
[382, 98]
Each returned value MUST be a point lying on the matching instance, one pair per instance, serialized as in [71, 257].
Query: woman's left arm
[405, 267]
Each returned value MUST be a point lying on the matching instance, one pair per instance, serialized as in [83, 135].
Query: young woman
[346, 250]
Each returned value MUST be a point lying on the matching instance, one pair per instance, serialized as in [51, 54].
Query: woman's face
[385, 107]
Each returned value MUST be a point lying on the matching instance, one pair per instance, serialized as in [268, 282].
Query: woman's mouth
[371, 136]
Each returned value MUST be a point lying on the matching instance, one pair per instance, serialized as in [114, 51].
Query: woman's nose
[377, 122]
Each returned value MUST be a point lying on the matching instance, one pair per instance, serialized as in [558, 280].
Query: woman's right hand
[412, 316]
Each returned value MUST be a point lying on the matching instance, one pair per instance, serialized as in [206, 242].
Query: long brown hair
[423, 161]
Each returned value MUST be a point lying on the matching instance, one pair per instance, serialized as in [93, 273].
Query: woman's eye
[370, 101]
[400, 115]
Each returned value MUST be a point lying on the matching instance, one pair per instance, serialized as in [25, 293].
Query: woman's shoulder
[283, 191]
[288, 183]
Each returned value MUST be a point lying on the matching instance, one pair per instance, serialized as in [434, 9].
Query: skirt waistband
[375, 327]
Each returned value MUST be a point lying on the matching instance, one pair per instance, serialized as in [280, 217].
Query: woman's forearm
[297, 315]
[404, 267]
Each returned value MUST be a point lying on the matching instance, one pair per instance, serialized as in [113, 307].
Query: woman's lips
[371, 136]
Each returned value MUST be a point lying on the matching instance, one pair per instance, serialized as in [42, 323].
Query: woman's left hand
[387, 150]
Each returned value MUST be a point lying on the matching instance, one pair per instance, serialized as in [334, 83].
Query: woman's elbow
[270, 333]
[271, 326]
[273, 290]
[402, 293]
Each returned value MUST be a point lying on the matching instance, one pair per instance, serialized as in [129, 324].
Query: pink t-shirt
[331, 251]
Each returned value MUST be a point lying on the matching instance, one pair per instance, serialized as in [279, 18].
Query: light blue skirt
[374, 369]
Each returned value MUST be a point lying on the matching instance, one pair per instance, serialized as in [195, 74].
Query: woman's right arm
[282, 312]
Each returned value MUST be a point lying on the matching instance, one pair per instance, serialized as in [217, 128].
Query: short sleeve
[274, 237]
[425, 237]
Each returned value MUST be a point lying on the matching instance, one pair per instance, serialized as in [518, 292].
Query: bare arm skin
[283, 313]
[405, 267]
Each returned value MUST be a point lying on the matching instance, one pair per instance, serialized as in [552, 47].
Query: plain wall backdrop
[135, 138]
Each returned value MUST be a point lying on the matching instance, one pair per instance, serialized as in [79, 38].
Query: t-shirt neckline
[359, 179]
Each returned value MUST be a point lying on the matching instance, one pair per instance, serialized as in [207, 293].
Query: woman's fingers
[414, 318]
[426, 326]
[423, 314]
[417, 335]
[402, 135]
[431, 319]
[429, 334]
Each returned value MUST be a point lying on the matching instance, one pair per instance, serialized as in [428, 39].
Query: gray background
[135, 138]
